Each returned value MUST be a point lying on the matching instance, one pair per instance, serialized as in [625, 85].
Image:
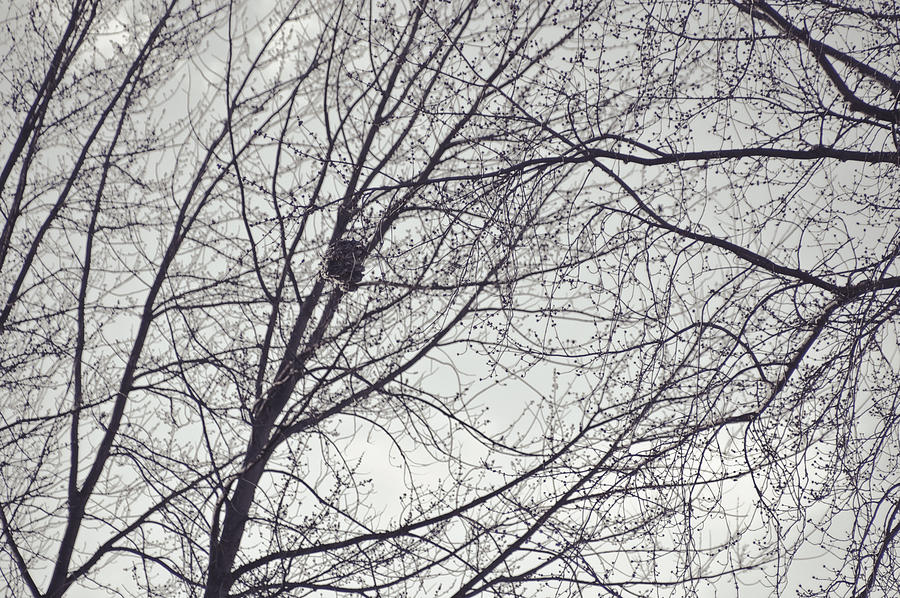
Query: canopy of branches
[624, 318]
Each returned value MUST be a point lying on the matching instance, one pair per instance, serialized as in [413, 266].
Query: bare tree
[450, 298]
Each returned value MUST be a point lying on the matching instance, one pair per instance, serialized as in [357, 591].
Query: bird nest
[344, 263]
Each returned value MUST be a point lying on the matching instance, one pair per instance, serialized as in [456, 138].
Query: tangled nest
[344, 263]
